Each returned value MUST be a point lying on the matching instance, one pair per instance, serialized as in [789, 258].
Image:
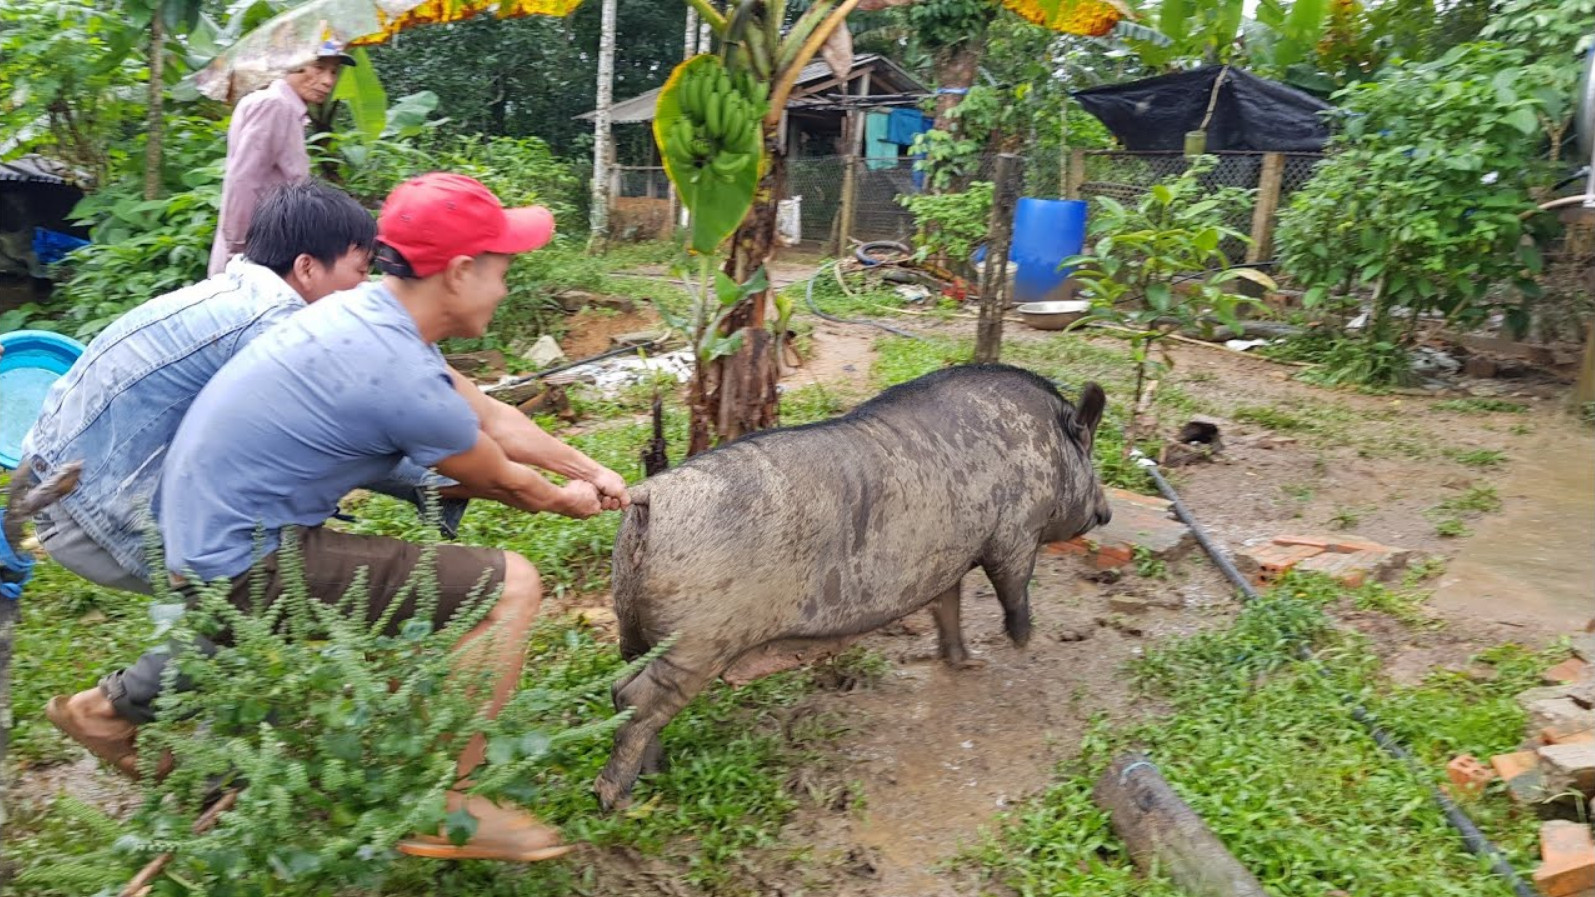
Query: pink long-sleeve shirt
[265, 147]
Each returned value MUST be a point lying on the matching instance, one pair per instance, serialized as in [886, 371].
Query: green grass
[1480, 498]
[1259, 746]
[1485, 458]
[1480, 406]
[732, 753]
[1326, 422]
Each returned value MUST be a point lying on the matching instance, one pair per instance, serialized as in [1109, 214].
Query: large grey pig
[806, 536]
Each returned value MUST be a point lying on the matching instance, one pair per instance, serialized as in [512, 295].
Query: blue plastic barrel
[1045, 232]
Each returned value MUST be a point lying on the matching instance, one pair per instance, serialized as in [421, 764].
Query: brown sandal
[435, 848]
[118, 753]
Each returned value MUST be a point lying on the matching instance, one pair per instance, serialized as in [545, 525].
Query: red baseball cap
[433, 218]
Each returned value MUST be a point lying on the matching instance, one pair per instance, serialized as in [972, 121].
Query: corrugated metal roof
[640, 108]
[37, 170]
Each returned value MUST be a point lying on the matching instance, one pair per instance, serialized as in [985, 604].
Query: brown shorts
[331, 560]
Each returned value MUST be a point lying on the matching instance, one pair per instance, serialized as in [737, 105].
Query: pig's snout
[1104, 514]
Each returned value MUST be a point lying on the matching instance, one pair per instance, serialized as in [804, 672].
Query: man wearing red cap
[311, 409]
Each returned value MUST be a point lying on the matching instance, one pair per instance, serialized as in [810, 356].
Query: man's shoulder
[227, 301]
[270, 97]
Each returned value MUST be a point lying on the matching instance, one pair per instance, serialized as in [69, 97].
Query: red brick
[1273, 561]
[1113, 556]
[1349, 544]
[1320, 542]
[1468, 774]
[1553, 735]
[1510, 766]
[1073, 546]
[1351, 569]
[1568, 852]
[1568, 671]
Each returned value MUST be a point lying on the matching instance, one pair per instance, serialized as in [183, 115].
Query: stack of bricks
[1557, 764]
[1352, 560]
[1139, 521]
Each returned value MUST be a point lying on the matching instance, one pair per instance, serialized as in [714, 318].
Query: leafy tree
[1423, 203]
[533, 76]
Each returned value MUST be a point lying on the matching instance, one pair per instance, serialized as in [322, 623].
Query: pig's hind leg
[947, 609]
[656, 695]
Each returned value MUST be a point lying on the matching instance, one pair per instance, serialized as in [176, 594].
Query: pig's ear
[1088, 413]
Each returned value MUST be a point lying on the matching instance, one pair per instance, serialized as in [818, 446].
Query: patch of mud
[589, 330]
[841, 356]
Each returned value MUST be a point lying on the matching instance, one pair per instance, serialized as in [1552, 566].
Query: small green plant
[1486, 458]
[1148, 565]
[1481, 406]
[1451, 528]
[1298, 492]
[948, 226]
[1477, 498]
[1423, 570]
[1345, 517]
[1170, 238]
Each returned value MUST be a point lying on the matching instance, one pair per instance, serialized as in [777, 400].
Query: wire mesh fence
[880, 184]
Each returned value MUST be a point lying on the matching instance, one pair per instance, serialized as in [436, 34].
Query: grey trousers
[132, 690]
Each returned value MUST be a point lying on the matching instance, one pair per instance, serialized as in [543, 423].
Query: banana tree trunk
[736, 394]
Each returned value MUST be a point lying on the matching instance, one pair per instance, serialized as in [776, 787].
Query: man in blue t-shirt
[334, 396]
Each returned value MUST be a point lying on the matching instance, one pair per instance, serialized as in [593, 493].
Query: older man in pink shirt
[266, 144]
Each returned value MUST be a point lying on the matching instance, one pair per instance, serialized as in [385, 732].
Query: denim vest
[118, 408]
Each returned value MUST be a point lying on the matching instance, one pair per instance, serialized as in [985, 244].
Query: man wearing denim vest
[334, 396]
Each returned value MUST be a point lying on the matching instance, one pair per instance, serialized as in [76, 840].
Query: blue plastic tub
[1045, 232]
[33, 361]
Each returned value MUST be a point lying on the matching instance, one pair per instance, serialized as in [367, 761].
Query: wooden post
[993, 286]
[1268, 187]
[1076, 174]
[844, 219]
[1162, 833]
[1584, 387]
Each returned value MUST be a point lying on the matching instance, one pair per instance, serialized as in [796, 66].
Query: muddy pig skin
[810, 535]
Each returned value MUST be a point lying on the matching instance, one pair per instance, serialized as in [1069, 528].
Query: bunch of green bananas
[719, 130]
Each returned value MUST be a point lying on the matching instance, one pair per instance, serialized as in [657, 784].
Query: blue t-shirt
[327, 400]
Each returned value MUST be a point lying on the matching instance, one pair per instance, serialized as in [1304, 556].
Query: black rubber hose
[1474, 839]
[809, 295]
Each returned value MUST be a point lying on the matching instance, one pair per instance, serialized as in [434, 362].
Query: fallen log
[1161, 832]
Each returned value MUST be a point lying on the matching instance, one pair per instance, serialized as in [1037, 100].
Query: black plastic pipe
[1474, 839]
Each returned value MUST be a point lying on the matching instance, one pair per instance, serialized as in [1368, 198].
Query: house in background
[872, 112]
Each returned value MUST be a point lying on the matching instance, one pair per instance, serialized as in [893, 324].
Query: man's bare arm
[486, 472]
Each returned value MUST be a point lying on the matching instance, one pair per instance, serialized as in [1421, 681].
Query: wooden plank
[1161, 832]
[1076, 174]
[1268, 187]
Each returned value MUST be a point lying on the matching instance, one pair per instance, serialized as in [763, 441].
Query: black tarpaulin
[1250, 113]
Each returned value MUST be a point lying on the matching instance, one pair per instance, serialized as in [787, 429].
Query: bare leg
[501, 834]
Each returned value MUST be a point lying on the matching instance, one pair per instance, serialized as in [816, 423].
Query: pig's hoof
[967, 663]
[611, 796]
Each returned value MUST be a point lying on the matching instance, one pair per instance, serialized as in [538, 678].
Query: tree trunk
[956, 68]
[602, 136]
[155, 123]
[736, 394]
